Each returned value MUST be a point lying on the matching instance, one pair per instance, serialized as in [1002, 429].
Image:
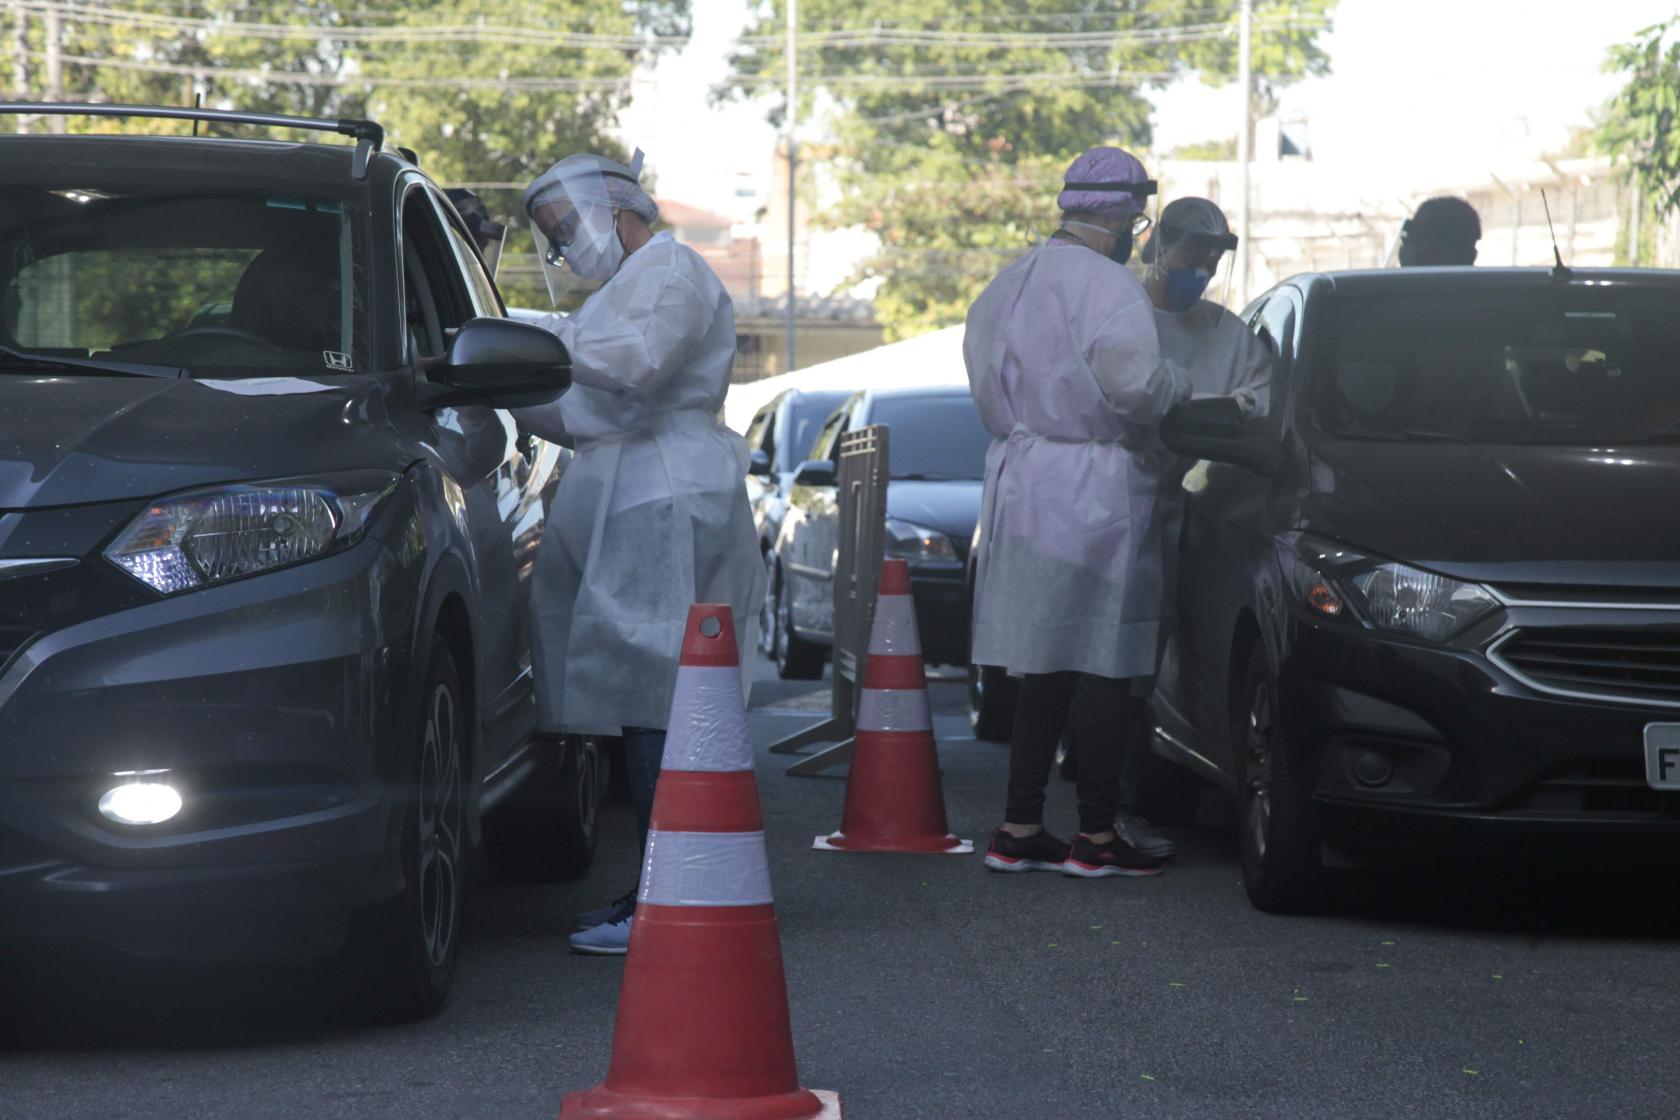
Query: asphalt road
[925, 987]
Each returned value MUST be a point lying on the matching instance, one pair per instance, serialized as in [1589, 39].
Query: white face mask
[596, 252]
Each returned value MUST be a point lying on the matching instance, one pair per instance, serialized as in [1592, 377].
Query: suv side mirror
[760, 465]
[1215, 428]
[815, 472]
[501, 364]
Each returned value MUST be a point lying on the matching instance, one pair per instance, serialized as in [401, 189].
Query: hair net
[571, 209]
[1106, 181]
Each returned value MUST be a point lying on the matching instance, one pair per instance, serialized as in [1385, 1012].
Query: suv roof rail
[368, 134]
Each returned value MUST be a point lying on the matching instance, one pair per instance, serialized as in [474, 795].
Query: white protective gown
[1222, 358]
[1063, 362]
[651, 516]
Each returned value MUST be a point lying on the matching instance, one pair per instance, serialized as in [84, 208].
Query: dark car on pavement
[779, 440]
[1431, 603]
[937, 452]
[266, 534]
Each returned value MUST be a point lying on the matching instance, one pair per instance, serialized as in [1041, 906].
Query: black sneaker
[1038, 852]
[615, 911]
[1090, 860]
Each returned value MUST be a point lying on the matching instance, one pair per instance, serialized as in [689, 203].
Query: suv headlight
[1334, 581]
[907, 541]
[195, 540]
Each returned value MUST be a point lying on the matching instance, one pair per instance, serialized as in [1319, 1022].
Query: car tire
[796, 658]
[545, 832]
[405, 950]
[767, 610]
[1277, 827]
[991, 703]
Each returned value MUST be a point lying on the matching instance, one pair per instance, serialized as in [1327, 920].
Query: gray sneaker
[1140, 834]
[609, 940]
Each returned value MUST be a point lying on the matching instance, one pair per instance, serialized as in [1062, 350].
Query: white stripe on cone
[894, 709]
[708, 721]
[894, 632]
[705, 869]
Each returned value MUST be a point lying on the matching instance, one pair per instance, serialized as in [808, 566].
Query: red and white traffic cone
[703, 1030]
[894, 802]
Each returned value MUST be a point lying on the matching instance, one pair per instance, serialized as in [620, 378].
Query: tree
[953, 119]
[1641, 128]
[484, 91]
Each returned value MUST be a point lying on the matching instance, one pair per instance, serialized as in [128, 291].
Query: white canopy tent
[929, 359]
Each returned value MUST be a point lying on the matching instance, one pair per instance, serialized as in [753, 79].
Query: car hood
[73, 440]
[952, 507]
[1523, 514]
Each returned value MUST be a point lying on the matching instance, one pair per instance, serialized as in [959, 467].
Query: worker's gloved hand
[1246, 400]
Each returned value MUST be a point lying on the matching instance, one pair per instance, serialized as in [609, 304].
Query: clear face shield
[491, 239]
[1193, 266]
[575, 230]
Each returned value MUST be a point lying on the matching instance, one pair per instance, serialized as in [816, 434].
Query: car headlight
[1338, 582]
[195, 540]
[906, 541]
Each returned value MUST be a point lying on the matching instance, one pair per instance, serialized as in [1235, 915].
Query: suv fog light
[1373, 769]
[140, 803]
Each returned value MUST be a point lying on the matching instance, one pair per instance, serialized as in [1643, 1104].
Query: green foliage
[1225, 149]
[1641, 127]
[954, 119]
[455, 80]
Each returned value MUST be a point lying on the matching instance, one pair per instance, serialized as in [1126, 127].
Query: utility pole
[55, 64]
[1245, 145]
[793, 173]
[20, 58]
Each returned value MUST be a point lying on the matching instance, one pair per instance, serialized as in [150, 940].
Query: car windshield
[934, 438]
[1566, 365]
[216, 284]
[805, 420]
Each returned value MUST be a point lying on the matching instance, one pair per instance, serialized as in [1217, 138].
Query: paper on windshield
[268, 386]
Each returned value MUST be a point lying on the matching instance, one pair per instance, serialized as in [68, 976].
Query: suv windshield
[223, 283]
[1566, 365]
[934, 437]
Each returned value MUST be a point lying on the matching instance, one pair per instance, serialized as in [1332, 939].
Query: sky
[1418, 88]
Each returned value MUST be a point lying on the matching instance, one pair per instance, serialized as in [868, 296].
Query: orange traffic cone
[703, 1030]
[894, 802]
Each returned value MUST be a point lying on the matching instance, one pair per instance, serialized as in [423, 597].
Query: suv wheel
[796, 659]
[767, 609]
[991, 702]
[1278, 837]
[545, 831]
[406, 948]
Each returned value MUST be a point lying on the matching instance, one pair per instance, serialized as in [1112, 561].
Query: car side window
[481, 289]
[436, 297]
[1275, 324]
[827, 443]
[755, 431]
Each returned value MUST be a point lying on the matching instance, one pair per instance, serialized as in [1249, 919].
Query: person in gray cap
[1442, 234]
[1222, 358]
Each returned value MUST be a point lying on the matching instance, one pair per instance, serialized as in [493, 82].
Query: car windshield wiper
[919, 476]
[24, 360]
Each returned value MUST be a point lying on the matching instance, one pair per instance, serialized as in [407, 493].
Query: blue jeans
[644, 748]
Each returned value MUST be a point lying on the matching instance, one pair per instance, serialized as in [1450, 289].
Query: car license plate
[1662, 755]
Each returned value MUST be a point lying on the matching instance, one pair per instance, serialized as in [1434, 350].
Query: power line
[304, 78]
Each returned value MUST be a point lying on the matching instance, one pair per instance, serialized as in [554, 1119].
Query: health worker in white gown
[651, 515]
[1066, 371]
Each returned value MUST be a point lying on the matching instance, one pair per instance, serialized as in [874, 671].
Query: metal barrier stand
[862, 484]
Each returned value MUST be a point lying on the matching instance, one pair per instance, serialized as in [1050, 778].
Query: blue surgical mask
[1185, 286]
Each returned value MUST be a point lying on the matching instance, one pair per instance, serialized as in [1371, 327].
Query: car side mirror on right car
[501, 364]
[1215, 429]
[815, 472]
[759, 465]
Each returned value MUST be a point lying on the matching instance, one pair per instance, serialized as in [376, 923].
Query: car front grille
[1628, 665]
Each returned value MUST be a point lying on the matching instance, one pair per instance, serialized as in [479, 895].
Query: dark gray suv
[265, 538]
